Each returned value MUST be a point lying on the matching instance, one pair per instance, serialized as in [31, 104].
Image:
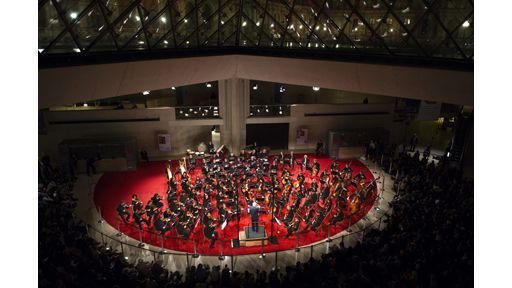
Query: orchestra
[210, 191]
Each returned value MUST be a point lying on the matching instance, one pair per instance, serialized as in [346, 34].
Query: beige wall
[67, 85]
[319, 126]
[184, 133]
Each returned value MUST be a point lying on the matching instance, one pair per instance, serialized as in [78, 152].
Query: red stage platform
[114, 187]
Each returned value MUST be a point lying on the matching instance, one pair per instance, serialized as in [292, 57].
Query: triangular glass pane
[64, 45]
[290, 42]
[391, 32]
[447, 49]
[126, 28]
[374, 13]
[429, 33]
[190, 42]
[464, 36]
[339, 12]
[89, 26]
[245, 41]
[159, 27]
[227, 29]
[72, 8]
[113, 9]
[307, 11]
[106, 43]
[452, 13]
[213, 40]
[228, 10]
[409, 12]
[183, 9]
[298, 30]
[206, 29]
[253, 11]
[358, 32]
[249, 29]
[206, 10]
[279, 11]
[409, 48]
[328, 32]
[137, 43]
[266, 41]
[316, 43]
[273, 30]
[230, 41]
[186, 25]
[49, 25]
[151, 9]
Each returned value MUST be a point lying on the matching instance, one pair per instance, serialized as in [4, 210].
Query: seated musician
[122, 211]
[293, 227]
[316, 167]
[321, 217]
[157, 201]
[273, 168]
[168, 214]
[136, 203]
[151, 209]
[161, 225]
[138, 217]
[339, 215]
[312, 199]
[210, 233]
[301, 178]
[289, 215]
[325, 192]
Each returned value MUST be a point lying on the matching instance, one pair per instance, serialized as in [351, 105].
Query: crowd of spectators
[427, 242]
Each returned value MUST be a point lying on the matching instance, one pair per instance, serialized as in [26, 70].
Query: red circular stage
[150, 178]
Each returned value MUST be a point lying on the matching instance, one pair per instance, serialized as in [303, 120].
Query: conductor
[254, 211]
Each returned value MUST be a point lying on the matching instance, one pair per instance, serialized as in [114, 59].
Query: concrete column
[234, 108]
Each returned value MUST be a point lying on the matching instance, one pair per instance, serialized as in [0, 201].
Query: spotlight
[145, 93]
[244, 24]
[85, 104]
[262, 255]
[73, 15]
[173, 88]
[282, 89]
[163, 19]
[209, 85]
[316, 88]
[77, 50]
[185, 20]
[465, 24]
[126, 257]
[255, 87]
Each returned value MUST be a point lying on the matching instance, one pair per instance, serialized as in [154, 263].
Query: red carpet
[114, 187]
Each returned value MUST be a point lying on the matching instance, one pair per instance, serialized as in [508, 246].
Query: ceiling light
[258, 23]
[185, 20]
[281, 112]
[316, 88]
[77, 50]
[163, 19]
[272, 25]
[141, 42]
[166, 42]
[281, 89]
[209, 85]
[244, 24]
[317, 27]
[137, 17]
[145, 93]
[40, 50]
[73, 15]
[173, 88]
[221, 22]
[465, 24]
[325, 28]
[337, 45]
[85, 104]
[255, 87]
[391, 30]
[188, 42]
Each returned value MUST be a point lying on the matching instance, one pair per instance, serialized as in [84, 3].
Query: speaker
[235, 243]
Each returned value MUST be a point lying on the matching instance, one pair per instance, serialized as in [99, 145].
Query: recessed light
[316, 88]
[145, 92]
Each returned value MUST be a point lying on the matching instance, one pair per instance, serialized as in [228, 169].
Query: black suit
[254, 211]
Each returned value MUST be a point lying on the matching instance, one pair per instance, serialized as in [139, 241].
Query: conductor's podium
[250, 238]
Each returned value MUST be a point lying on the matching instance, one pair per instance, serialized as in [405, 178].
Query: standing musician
[254, 210]
[316, 167]
[305, 163]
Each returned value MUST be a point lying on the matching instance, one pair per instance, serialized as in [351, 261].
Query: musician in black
[294, 226]
[122, 211]
[138, 217]
[210, 233]
[162, 225]
[254, 210]
[316, 167]
[136, 203]
[157, 201]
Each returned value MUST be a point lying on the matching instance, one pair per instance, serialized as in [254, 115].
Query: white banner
[302, 136]
[164, 142]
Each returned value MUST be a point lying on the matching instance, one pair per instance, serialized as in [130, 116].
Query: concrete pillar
[233, 109]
